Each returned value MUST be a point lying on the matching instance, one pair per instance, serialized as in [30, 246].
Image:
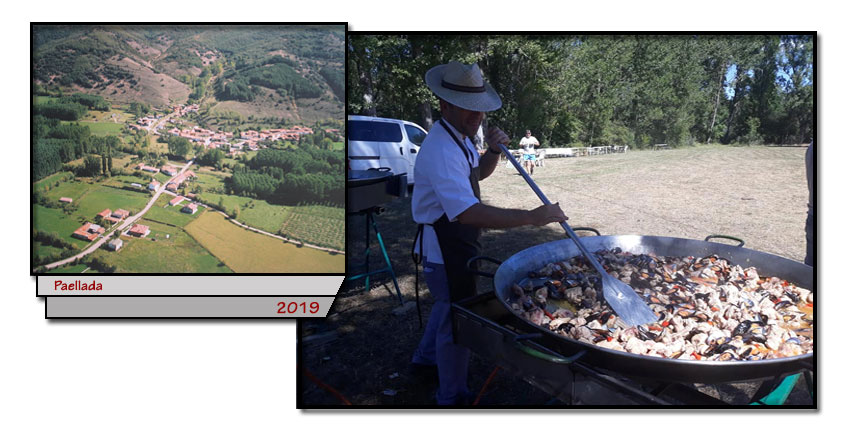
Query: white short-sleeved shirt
[441, 184]
[528, 144]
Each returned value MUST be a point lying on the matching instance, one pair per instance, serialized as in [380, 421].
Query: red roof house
[139, 230]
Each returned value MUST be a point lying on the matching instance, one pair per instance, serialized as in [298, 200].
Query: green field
[71, 189]
[90, 200]
[157, 253]
[253, 212]
[55, 220]
[319, 225]
[164, 213]
[100, 198]
[77, 268]
[210, 180]
[248, 252]
[104, 128]
[121, 181]
[40, 250]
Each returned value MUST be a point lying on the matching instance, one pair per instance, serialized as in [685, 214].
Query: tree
[92, 166]
[178, 146]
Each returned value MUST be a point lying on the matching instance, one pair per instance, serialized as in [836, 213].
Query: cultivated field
[320, 225]
[756, 193]
[248, 252]
[158, 253]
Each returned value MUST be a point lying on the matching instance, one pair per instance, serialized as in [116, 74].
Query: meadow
[158, 253]
[162, 212]
[77, 268]
[248, 252]
[90, 199]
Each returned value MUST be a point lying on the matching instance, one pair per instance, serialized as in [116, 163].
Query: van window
[416, 135]
[372, 131]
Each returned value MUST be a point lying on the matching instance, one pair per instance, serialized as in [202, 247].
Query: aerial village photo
[187, 149]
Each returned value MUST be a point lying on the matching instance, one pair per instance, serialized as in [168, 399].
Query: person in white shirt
[446, 204]
[528, 144]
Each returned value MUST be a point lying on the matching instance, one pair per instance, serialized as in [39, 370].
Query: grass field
[319, 225]
[90, 200]
[104, 128]
[210, 180]
[157, 253]
[100, 198]
[55, 220]
[163, 213]
[40, 250]
[77, 268]
[72, 189]
[248, 252]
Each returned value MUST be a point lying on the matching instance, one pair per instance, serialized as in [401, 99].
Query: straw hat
[463, 86]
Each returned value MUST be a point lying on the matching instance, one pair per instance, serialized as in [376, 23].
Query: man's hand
[546, 214]
[496, 137]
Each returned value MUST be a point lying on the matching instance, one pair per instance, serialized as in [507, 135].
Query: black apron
[458, 242]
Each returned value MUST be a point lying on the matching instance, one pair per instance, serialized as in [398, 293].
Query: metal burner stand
[482, 324]
[369, 220]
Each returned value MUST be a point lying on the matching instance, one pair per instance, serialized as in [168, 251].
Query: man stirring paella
[447, 206]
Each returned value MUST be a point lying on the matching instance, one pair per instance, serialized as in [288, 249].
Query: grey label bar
[82, 285]
[187, 307]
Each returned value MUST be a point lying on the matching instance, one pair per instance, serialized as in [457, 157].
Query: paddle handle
[546, 201]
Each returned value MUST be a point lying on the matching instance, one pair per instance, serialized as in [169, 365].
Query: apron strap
[460, 143]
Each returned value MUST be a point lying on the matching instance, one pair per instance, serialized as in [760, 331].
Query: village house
[115, 244]
[171, 186]
[139, 230]
[168, 170]
[120, 214]
[146, 168]
[176, 200]
[103, 214]
[114, 217]
[190, 208]
[88, 231]
[153, 185]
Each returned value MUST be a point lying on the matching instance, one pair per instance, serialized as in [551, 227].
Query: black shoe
[426, 372]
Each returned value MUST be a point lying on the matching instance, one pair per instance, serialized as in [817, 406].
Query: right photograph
[574, 220]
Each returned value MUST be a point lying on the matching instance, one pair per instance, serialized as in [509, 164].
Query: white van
[382, 142]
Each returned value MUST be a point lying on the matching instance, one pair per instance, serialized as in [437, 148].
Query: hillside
[292, 72]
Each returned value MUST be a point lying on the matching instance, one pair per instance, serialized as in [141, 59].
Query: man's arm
[485, 216]
[487, 164]
[490, 159]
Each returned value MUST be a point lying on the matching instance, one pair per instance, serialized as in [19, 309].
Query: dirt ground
[362, 350]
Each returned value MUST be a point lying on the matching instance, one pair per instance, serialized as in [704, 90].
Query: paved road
[122, 226]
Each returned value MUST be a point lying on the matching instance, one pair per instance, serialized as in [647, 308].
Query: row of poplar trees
[595, 90]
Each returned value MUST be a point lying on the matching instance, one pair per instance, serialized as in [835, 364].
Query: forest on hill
[595, 90]
[162, 65]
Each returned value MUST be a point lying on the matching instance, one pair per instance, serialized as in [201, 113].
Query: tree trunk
[716, 103]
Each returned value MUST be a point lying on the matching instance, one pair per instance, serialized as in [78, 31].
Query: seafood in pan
[708, 309]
